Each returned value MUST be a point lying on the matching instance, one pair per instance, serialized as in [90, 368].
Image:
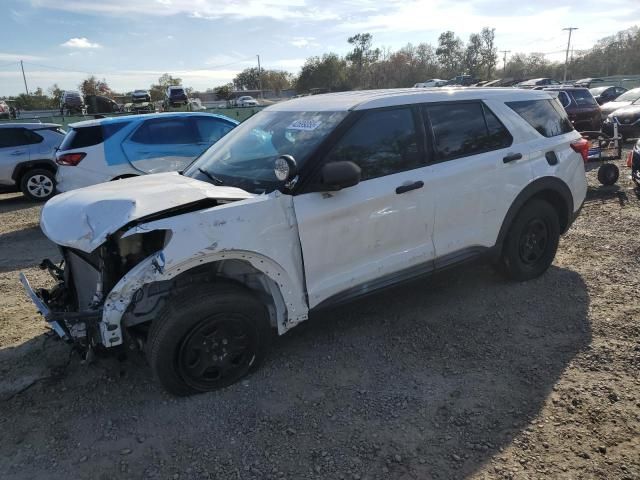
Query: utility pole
[260, 77]
[24, 78]
[566, 58]
[504, 60]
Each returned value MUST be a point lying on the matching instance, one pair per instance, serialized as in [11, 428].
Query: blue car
[96, 151]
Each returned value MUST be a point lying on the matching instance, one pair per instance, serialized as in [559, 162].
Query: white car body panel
[233, 231]
[102, 209]
[365, 232]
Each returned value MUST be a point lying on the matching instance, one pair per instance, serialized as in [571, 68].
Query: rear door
[358, 238]
[14, 149]
[163, 144]
[476, 175]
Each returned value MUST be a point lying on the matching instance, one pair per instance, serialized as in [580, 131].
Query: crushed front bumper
[74, 327]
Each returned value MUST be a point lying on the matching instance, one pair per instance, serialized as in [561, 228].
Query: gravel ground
[464, 375]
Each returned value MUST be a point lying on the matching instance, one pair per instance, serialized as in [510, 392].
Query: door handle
[410, 186]
[512, 157]
[18, 152]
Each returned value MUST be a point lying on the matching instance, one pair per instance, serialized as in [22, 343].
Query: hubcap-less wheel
[216, 352]
[533, 241]
[40, 186]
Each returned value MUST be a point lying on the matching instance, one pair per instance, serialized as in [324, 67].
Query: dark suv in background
[176, 96]
[581, 107]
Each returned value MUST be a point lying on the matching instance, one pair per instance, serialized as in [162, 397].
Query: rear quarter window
[83, 137]
[546, 116]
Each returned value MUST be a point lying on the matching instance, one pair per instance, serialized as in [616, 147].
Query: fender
[290, 305]
[43, 163]
[559, 195]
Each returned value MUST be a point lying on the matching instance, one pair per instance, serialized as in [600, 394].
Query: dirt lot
[461, 376]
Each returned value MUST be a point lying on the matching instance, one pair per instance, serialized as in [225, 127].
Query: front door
[367, 235]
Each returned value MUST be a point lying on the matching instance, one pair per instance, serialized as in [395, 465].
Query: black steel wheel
[532, 241]
[218, 351]
[207, 338]
[608, 174]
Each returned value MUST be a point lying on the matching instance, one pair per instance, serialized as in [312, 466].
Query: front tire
[532, 241]
[208, 338]
[38, 184]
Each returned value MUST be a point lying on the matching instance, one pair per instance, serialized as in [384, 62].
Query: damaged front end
[74, 306]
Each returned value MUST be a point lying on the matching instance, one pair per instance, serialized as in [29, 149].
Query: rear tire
[608, 174]
[532, 241]
[38, 184]
[208, 338]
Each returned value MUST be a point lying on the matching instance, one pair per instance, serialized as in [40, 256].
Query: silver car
[27, 152]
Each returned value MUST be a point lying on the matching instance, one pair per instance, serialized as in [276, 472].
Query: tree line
[365, 66]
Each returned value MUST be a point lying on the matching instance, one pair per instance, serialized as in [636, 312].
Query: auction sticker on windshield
[303, 125]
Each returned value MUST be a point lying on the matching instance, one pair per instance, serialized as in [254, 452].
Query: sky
[131, 43]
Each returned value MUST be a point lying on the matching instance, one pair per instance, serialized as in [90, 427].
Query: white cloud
[302, 42]
[79, 42]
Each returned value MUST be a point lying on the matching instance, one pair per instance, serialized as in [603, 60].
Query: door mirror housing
[339, 175]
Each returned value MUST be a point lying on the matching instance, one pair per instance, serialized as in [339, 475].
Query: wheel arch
[550, 189]
[137, 296]
[21, 168]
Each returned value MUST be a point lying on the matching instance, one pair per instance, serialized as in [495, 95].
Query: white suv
[309, 203]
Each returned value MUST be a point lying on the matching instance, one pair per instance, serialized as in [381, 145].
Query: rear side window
[83, 137]
[169, 131]
[463, 129]
[546, 116]
[382, 142]
[16, 137]
[583, 98]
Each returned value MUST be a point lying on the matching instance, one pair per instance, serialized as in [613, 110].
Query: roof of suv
[30, 126]
[141, 117]
[365, 99]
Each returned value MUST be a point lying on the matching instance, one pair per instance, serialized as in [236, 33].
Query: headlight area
[85, 279]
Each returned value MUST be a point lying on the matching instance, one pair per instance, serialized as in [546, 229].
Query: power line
[12, 64]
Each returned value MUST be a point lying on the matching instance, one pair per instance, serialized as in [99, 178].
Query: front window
[245, 157]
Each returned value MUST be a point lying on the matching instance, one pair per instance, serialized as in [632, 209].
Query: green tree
[361, 58]
[473, 55]
[488, 50]
[327, 72]
[92, 86]
[165, 80]
[449, 53]
[224, 92]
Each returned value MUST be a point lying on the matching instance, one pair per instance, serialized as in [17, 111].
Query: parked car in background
[246, 101]
[4, 110]
[581, 107]
[606, 94]
[628, 121]
[27, 153]
[140, 102]
[140, 96]
[623, 100]
[588, 82]
[71, 102]
[462, 80]
[102, 150]
[537, 82]
[175, 96]
[433, 82]
[96, 104]
[310, 203]
[195, 105]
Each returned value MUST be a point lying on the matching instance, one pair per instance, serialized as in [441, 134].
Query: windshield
[629, 96]
[245, 157]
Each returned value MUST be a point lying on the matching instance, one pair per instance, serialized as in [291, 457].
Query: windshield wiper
[215, 180]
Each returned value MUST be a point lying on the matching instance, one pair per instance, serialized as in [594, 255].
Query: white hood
[84, 218]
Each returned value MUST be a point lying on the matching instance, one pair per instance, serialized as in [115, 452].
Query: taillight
[582, 147]
[70, 159]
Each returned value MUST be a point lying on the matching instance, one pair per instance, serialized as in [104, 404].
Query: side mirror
[339, 175]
